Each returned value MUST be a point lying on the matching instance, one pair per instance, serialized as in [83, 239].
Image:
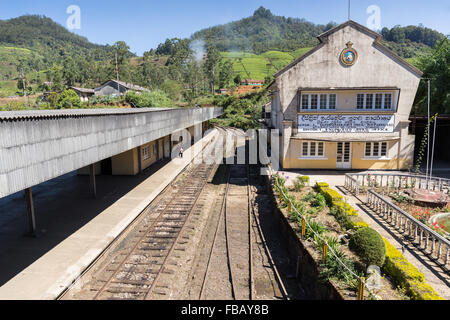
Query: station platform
[74, 228]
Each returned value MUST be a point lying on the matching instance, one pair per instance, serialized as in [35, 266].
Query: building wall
[322, 69]
[294, 154]
[126, 163]
[153, 153]
[390, 162]
[110, 88]
[346, 100]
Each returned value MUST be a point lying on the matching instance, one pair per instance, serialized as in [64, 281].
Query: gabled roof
[84, 90]
[377, 43]
[127, 85]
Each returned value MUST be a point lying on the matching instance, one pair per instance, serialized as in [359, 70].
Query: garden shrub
[357, 222]
[319, 201]
[298, 185]
[156, 98]
[316, 228]
[68, 99]
[331, 196]
[304, 179]
[369, 246]
[407, 275]
[300, 182]
[366, 243]
[341, 218]
[309, 197]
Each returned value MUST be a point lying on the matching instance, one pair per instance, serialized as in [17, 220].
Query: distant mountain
[36, 31]
[38, 42]
[264, 32]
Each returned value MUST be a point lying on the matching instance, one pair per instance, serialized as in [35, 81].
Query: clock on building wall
[349, 55]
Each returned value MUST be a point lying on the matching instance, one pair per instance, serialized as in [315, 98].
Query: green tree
[120, 61]
[213, 58]
[68, 99]
[69, 72]
[435, 67]
[156, 98]
[55, 76]
[172, 88]
[237, 79]
[225, 73]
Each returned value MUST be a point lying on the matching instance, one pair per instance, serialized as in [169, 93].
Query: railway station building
[345, 104]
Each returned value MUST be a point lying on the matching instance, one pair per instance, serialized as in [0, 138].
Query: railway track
[132, 265]
[237, 213]
[136, 275]
[151, 259]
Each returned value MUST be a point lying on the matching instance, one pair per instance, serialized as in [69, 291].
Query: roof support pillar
[30, 213]
[92, 180]
[139, 151]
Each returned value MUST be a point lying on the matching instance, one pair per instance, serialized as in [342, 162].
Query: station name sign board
[346, 123]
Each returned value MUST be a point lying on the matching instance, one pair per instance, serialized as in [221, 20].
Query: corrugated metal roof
[85, 90]
[72, 113]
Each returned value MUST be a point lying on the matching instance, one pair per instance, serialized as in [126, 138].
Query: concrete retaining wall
[308, 268]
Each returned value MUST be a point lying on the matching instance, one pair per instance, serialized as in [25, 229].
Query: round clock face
[349, 56]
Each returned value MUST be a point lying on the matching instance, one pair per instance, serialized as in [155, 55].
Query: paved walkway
[55, 264]
[434, 275]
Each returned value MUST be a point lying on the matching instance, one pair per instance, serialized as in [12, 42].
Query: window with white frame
[388, 101]
[305, 101]
[323, 101]
[313, 149]
[377, 101]
[360, 101]
[146, 153]
[376, 149]
[313, 102]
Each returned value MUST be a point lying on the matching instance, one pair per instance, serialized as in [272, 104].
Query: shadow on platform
[63, 205]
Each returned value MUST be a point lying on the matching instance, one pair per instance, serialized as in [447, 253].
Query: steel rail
[150, 291]
[152, 228]
[222, 209]
[250, 238]
[269, 255]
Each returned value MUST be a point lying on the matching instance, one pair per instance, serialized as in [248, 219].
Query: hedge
[407, 275]
[346, 215]
[395, 265]
[369, 246]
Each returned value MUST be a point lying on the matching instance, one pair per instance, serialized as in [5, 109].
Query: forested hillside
[263, 32]
[38, 47]
[187, 70]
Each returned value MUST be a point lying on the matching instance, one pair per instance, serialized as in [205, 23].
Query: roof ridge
[377, 42]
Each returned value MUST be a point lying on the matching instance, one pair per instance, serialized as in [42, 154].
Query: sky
[143, 24]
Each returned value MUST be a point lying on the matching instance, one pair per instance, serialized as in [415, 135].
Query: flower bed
[400, 196]
[334, 223]
[323, 210]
